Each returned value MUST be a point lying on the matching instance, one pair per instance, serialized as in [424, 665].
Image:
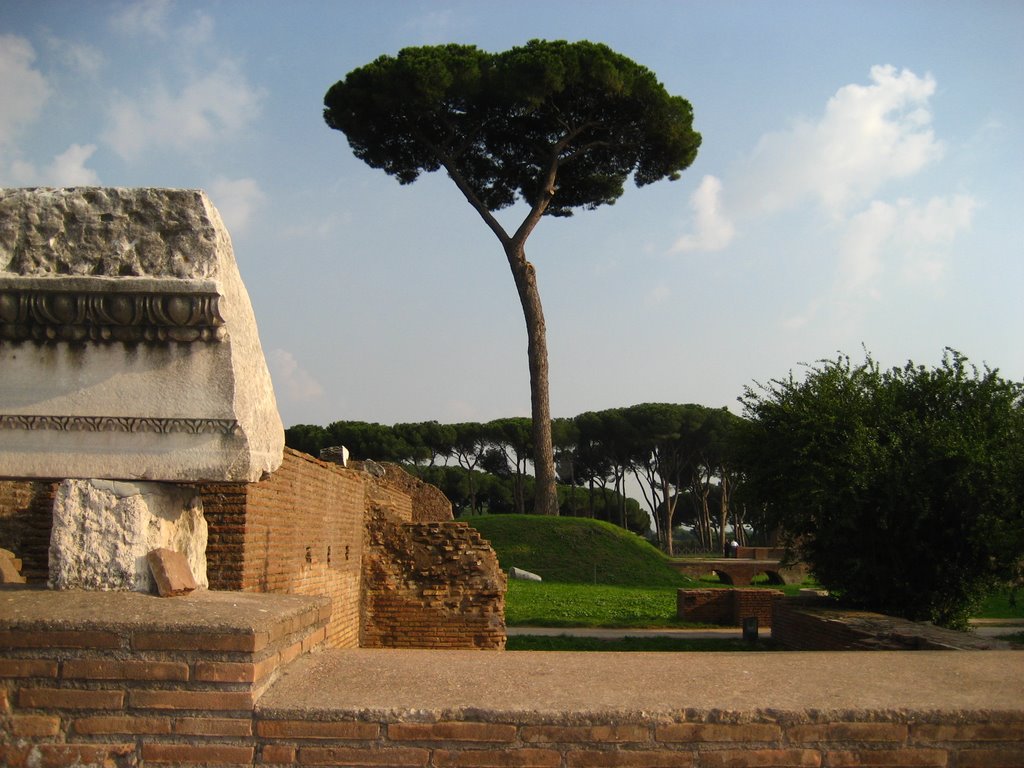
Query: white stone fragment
[103, 530]
[519, 573]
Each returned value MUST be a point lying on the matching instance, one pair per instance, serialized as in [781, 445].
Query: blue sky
[860, 184]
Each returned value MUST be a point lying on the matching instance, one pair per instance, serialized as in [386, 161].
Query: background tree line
[902, 489]
[678, 457]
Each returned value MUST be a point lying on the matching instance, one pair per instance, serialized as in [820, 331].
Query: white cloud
[78, 58]
[803, 319]
[152, 19]
[68, 168]
[291, 381]
[867, 136]
[237, 200]
[862, 244]
[23, 93]
[658, 295]
[714, 231]
[199, 32]
[206, 111]
[23, 90]
[148, 17]
[915, 238]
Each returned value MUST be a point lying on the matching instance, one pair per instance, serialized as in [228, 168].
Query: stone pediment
[128, 345]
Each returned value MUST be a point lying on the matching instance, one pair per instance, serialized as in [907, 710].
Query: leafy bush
[903, 489]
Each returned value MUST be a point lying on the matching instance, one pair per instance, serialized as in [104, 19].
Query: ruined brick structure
[428, 582]
[430, 585]
[383, 549]
[728, 607]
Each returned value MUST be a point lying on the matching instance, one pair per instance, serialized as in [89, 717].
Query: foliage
[576, 550]
[903, 489]
[504, 123]
[680, 452]
[555, 125]
[635, 644]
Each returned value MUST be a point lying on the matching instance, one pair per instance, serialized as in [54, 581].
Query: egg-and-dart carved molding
[32, 314]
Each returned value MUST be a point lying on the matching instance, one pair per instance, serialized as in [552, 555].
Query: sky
[860, 186]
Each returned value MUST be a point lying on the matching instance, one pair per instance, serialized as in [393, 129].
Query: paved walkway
[604, 633]
[981, 627]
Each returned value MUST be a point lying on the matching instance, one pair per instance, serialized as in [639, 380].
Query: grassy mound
[573, 550]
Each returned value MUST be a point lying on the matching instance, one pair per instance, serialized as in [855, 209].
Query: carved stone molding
[48, 315]
[124, 424]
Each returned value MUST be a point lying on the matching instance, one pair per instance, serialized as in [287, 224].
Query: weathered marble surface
[128, 345]
[103, 530]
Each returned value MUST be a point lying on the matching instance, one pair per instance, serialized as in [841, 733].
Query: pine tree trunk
[546, 494]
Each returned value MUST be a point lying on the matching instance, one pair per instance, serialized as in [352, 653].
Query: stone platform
[234, 679]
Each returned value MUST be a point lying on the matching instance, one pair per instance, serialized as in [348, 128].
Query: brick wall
[26, 514]
[572, 740]
[297, 532]
[80, 694]
[105, 692]
[726, 606]
[704, 606]
[756, 603]
[429, 504]
[385, 492]
[430, 585]
[302, 531]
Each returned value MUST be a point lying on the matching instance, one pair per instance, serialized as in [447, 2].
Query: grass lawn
[997, 606]
[549, 604]
[632, 644]
[572, 550]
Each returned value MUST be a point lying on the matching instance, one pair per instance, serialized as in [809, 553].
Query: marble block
[128, 345]
[103, 531]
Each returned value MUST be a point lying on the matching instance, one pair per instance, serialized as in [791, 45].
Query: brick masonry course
[339, 707]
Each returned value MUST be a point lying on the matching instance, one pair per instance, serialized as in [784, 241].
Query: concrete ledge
[555, 687]
[241, 613]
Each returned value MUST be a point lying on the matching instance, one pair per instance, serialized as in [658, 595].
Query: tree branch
[448, 161]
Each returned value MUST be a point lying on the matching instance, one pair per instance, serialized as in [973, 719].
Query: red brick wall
[69, 696]
[726, 606]
[704, 606]
[26, 516]
[756, 603]
[429, 504]
[299, 532]
[430, 585]
[386, 492]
